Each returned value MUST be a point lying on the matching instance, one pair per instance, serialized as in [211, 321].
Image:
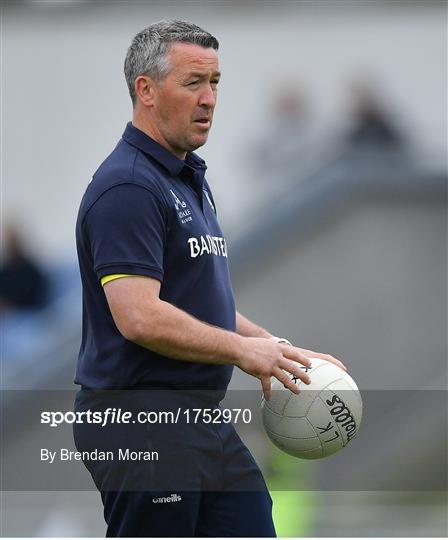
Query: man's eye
[191, 83]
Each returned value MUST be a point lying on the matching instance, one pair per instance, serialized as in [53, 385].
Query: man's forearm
[172, 332]
[247, 328]
[142, 317]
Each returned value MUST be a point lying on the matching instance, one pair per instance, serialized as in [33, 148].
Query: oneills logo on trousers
[171, 499]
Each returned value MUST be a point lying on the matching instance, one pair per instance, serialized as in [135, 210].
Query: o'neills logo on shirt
[210, 245]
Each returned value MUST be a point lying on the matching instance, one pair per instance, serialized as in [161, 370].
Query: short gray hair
[147, 54]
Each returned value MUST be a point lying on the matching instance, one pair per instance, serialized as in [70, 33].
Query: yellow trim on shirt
[112, 277]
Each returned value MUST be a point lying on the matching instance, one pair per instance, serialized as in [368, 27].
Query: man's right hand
[142, 317]
[264, 358]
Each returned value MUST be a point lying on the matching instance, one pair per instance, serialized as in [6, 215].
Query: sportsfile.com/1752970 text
[114, 415]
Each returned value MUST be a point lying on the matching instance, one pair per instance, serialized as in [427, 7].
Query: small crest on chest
[182, 209]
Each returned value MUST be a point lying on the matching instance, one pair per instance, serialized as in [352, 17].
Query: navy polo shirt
[148, 213]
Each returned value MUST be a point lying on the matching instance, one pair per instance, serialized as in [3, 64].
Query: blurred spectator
[289, 148]
[22, 282]
[372, 125]
[288, 131]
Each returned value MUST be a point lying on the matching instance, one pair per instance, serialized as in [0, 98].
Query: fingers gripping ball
[321, 420]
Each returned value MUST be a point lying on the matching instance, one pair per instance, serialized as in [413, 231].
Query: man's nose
[207, 97]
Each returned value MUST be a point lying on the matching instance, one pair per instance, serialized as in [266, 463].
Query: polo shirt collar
[173, 164]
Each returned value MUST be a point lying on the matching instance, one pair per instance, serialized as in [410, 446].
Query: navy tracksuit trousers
[205, 482]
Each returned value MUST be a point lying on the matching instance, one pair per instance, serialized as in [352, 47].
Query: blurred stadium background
[328, 162]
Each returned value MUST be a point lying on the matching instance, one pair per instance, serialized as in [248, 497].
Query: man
[159, 312]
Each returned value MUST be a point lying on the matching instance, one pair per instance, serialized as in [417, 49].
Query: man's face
[185, 100]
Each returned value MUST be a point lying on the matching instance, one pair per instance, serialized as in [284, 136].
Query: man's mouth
[205, 122]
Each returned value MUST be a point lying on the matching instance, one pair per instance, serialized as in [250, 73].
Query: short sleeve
[126, 229]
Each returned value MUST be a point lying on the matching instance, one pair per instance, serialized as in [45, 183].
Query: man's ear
[144, 88]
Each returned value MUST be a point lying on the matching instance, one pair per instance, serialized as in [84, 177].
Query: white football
[319, 421]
